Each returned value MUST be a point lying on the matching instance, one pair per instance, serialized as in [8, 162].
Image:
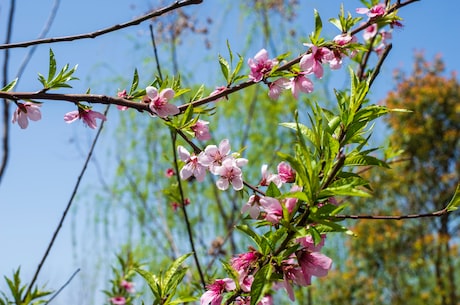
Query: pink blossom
[201, 130]
[260, 65]
[301, 83]
[245, 262]
[268, 178]
[229, 173]
[313, 264]
[216, 155]
[308, 243]
[214, 294]
[195, 165]
[344, 39]
[370, 32]
[375, 11]
[25, 112]
[86, 114]
[159, 101]
[128, 286]
[291, 203]
[312, 62]
[217, 91]
[252, 206]
[276, 87]
[266, 300]
[273, 209]
[286, 172]
[122, 94]
[118, 300]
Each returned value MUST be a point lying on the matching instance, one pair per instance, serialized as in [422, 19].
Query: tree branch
[154, 14]
[394, 217]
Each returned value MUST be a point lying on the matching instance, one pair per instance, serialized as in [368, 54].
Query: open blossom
[214, 294]
[230, 173]
[375, 11]
[159, 101]
[25, 112]
[215, 155]
[268, 178]
[286, 172]
[260, 65]
[313, 264]
[118, 300]
[273, 209]
[341, 40]
[252, 207]
[312, 62]
[300, 83]
[370, 32]
[276, 87]
[195, 165]
[87, 115]
[245, 262]
[201, 130]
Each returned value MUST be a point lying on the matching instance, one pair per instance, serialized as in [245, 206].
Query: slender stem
[155, 51]
[393, 217]
[63, 286]
[69, 204]
[184, 210]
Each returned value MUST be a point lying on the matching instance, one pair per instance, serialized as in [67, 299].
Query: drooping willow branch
[114, 28]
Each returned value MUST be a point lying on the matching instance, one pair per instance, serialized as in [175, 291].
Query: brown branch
[154, 14]
[393, 217]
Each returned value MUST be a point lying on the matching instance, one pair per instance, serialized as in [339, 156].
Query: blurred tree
[410, 262]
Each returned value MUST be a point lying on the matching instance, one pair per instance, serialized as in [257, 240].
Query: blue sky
[47, 157]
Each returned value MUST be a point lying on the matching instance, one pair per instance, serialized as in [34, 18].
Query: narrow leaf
[261, 283]
[455, 201]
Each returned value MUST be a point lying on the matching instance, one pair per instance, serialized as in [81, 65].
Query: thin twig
[6, 104]
[69, 204]
[63, 286]
[184, 211]
[393, 217]
[155, 51]
[97, 33]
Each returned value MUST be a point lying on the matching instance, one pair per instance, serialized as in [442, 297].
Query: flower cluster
[271, 208]
[297, 269]
[218, 161]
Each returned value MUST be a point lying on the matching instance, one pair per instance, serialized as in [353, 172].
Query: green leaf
[318, 28]
[52, 67]
[152, 281]
[224, 67]
[134, 83]
[344, 190]
[248, 231]
[173, 269]
[261, 283]
[184, 300]
[273, 191]
[364, 160]
[455, 201]
[10, 86]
